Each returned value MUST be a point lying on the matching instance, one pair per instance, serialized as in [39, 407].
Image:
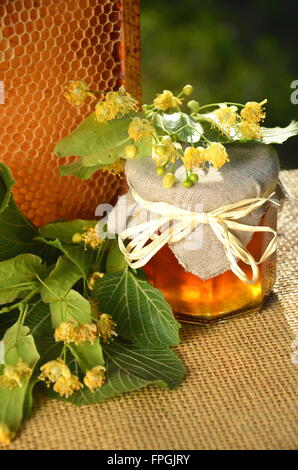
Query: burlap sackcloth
[251, 173]
[240, 391]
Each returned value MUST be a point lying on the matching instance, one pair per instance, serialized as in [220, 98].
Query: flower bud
[131, 151]
[187, 183]
[168, 180]
[160, 170]
[194, 106]
[194, 178]
[160, 150]
[187, 90]
[166, 139]
[77, 237]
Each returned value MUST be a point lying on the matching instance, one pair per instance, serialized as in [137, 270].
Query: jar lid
[251, 173]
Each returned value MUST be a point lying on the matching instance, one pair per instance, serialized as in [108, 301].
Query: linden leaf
[61, 279]
[186, 128]
[73, 307]
[18, 276]
[19, 344]
[16, 404]
[17, 233]
[98, 143]
[140, 311]
[63, 231]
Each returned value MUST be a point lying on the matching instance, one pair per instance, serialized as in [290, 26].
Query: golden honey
[197, 301]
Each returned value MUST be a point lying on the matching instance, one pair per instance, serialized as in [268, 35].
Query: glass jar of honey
[204, 301]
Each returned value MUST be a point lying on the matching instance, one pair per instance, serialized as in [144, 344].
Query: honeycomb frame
[43, 45]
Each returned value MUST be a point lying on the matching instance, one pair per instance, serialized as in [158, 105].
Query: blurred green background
[229, 51]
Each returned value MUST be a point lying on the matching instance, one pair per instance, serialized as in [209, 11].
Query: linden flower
[6, 435]
[67, 386]
[140, 128]
[116, 168]
[71, 332]
[115, 104]
[13, 375]
[166, 100]
[93, 278]
[76, 93]
[53, 371]
[105, 327]
[253, 112]
[249, 130]
[226, 116]
[91, 238]
[95, 378]
[65, 332]
[85, 332]
[194, 157]
[217, 155]
[166, 151]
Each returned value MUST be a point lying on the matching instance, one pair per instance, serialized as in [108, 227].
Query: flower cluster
[95, 378]
[114, 105]
[6, 435]
[65, 382]
[13, 376]
[106, 327]
[76, 92]
[58, 373]
[195, 139]
[77, 333]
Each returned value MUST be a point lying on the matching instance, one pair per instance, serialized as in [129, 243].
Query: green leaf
[130, 368]
[140, 311]
[15, 404]
[77, 169]
[63, 231]
[88, 355]
[96, 142]
[19, 344]
[72, 307]
[17, 233]
[278, 135]
[61, 280]
[187, 129]
[82, 259]
[115, 260]
[18, 276]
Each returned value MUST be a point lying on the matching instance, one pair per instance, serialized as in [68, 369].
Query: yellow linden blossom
[217, 155]
[95, 377]
[90, 237]
[85, 332]
[249, 130]
[72, 332]
[67, 386]
[253, 112]
[93, 278]
[6, 435]
[53, 371]
[226, 116]
[105, 327]
[166, 151]
[166, 100]
[76, 93]
[116, 168]
[194, 157]
[115, 104]
[139, 128]
[13, 375]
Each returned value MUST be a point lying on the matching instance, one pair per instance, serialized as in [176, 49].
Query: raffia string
[180, 223]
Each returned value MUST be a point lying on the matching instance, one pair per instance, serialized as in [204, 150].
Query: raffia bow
[181, 222]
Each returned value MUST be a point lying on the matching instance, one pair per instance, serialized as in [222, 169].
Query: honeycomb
[43, 45]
